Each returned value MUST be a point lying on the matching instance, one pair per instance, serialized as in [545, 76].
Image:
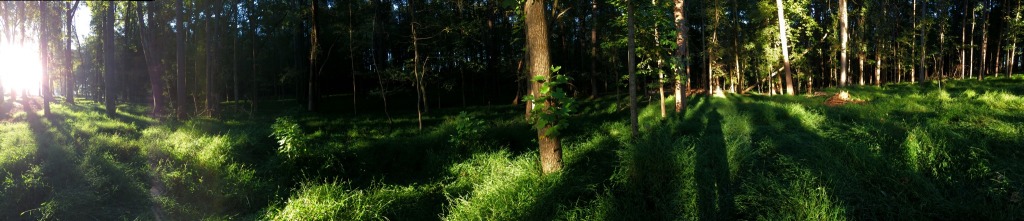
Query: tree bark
[844, 37]
[661, 74]
[108, 61]
[352, 58]
[421, 99]
[180, 60]
[681, 76]
[593, 48]
[785, 48]
[44, 53]
[69, 77]
[921, 66]
[151, 54]
[314, 51]
[631, 55]
[537, 51]
[252, 34]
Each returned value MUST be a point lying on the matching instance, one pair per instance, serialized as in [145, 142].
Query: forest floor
[901, 152]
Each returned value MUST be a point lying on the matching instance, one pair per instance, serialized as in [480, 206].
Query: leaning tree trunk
[152, 57]
[537, 51]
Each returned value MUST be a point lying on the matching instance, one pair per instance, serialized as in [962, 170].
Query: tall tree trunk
[1012, 37]
[352, 59]
[252, 35]
[921, 72]
[179, 36]
[785, 48]
[984, 45]
[974, 23]
[152, 56]
[593, 48]
[69, 76]
[537, 51]
[44, 53]
[314, 52]
[421, 98]
[108, 61]
[844, 37]
[878, 63]
[681, 76]
[631, 56]
[963, 43]
[661, 74]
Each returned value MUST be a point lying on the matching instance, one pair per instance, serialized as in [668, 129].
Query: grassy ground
[907, 152]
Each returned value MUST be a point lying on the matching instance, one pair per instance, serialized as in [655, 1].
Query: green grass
[909, 152]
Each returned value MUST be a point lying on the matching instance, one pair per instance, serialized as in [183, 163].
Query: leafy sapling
[551, 105]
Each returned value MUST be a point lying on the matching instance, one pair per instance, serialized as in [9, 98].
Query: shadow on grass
[715, 198]
[87, 183]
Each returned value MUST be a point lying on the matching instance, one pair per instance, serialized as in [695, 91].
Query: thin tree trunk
[314, 52]
[631, 55]
[843, 36]
[921, 73]
[252, 34]
[974, 23]
[421, 102]
[984, 47]
[593, 48]
[661, 75]
[352, 59]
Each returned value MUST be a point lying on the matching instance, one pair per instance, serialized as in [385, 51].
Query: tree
[421, 97]
[314, 75]
[108, 61]
[631, 56]
[44, 54]
[682, 70]
[843, 36]
[537, 50]
[179, 37]
[352, 57]
[152, 56]
[252, 35]
[785, 48]
[69, 77]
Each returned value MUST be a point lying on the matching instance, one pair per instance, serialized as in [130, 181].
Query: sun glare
[20, 67]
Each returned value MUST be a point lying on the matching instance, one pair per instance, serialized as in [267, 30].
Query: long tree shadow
[89, 183]
[864, 172]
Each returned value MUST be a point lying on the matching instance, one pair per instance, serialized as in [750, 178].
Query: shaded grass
[909, 152]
